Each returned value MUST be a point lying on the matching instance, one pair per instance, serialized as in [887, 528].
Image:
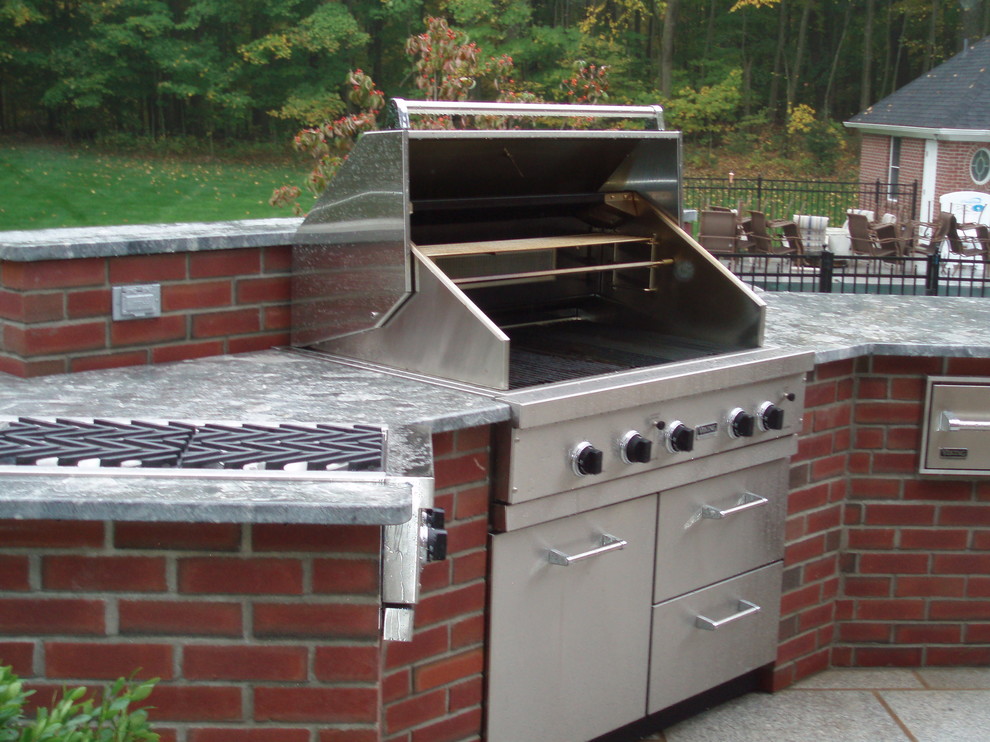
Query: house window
[894, 171]
[979, 166]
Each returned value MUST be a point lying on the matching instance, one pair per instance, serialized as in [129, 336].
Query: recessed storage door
[719, 527]
[713, 635]
[956, 429]
[570, 625]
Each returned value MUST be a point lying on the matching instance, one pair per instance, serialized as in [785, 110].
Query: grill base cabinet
[688, 601]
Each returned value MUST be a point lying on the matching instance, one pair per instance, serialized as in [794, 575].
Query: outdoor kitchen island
[262, 614]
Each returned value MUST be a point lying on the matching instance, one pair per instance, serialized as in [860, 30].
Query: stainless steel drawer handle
[749, 502]
[744, 607]
[951, 421]
[609, 543]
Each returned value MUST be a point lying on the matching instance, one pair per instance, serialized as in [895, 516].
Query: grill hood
[467, 254]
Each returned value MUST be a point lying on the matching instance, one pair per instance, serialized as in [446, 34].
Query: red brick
[277, 259]
[316, 538]
[108, 360]
[833, 369]
[444, 606]
[397, 685]
[180, 618]
[276, 318]
[196, 703]
[934, 539]
[899, 514]
[888, 657]
[346, 663]
[937, 489]
[186, 351]
[341, 620]
[927, 633]
[467, 694]
[215, 263]
[470, 567]
[890, 610]
[895, 463]
[14, 573]
[907, 389]
[467, 632]
[904, 365]
[180, 297]
[472, 503]
[88, 303]
[240, 734]
[958, 656]
[326, 705]
[961, 564]
[448, 670]
[148, 268]
[185, 536]
[264, 290]
[800, 599]
[903, 439]
[968, 367]
[888, 413]
[831, 466]
[415, 711]
[829, 418]
[873, 388]
[239, 662]
[96, 573]
[240, 576]
[345, 576]
[964, 515]
[884, 564]
[814, 447]
[426, 643]
[451, 728]
[255, 343]
[443, 444]
[62, 338]
[20, 657]
[802, 551]
[107, 661]
[42, 307]
[819, 394]
[461, 470]
[871, 538]
[232, 322]
[148, 331]
[951, 587]
[870, 437]
[51, 534]
[862, 631]
[33, 616]
[874, 487]
[50, 274]
[349, 735]
[959, 610]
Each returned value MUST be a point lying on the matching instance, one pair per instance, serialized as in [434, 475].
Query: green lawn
[50, 186]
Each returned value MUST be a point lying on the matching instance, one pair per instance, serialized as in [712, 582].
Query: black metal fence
[826, 272]
[784, 198]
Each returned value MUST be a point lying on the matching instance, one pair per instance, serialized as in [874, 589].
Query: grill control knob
[586, 459]
[635, 448]
[680, 437]
[741, 423]
[771, 416]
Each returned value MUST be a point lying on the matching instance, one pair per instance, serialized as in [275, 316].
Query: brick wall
[265, 633]
[55, 315]
[882, 567]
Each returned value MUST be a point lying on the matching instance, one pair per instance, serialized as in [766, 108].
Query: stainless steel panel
[956, 427]
[689, 655]
[717, 528]
[568, 644]
[539, 463]
[350, 259]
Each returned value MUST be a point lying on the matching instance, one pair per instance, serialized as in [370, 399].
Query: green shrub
[74, 719]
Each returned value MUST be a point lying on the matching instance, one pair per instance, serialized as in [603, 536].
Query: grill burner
[140, 443]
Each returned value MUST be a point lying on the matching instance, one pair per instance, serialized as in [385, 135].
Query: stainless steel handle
[744, 607]
[400, 110]
[952, 422]
[749, 502]
[609, 543]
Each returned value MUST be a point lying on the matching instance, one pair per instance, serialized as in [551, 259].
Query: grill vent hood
[445, 252]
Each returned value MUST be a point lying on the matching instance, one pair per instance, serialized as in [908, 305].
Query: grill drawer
[687, 658]
[711, 530]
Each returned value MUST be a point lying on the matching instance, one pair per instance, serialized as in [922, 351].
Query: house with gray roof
[935, 130]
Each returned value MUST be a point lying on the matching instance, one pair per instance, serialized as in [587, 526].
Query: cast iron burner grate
[140, 443]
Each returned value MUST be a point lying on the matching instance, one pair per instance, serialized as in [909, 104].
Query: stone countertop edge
[144, 239]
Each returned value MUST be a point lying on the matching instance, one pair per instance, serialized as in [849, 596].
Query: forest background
[753, 84]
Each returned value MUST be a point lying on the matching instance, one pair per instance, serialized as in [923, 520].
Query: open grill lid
[370, 280]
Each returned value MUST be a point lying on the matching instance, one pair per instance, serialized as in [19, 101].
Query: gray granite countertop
[287, 386]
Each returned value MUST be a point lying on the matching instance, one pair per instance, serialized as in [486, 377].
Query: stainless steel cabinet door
[570, 625]
[709, 636]
[720, 527]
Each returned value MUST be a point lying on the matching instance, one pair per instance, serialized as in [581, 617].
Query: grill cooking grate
[140, 443]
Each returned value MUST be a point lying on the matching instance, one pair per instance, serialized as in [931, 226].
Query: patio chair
[946, 229]
[814, 229]
[719, 231]
[875, 240]
[761, 240]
